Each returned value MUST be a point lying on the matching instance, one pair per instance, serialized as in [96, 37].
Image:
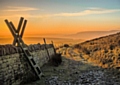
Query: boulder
[56, 60]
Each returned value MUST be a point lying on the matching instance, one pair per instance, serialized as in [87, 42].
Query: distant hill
[104, 51]
[91, 34]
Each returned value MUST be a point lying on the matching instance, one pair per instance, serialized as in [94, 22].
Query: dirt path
[75, 71]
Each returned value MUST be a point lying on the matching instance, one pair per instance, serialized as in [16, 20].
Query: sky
[58, 17]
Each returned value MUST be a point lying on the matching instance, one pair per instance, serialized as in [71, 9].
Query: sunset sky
[50, 17]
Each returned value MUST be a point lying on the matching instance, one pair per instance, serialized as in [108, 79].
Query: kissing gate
[18, 34]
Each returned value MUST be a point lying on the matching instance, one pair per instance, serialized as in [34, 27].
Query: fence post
[46, 48]
[53, 47]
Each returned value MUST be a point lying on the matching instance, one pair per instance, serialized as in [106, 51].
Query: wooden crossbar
[15, 32]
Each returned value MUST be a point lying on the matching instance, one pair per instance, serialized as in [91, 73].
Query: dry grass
[104, 51]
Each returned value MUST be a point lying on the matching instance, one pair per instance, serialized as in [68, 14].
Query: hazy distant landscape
[35, 40]
[85, 35]
[61, 39]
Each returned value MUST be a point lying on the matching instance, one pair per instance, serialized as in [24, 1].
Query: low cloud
[16, 9]
[89, 12]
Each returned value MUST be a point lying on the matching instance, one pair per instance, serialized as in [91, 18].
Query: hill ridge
[103, 51]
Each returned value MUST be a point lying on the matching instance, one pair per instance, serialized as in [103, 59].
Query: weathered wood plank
[20, 24]
[10, 27]
[13, 27]
[23, 28]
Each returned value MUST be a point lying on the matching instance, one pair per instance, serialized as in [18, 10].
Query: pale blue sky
[54, 6]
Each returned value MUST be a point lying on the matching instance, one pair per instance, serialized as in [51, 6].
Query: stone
[1, 51]
[14, 67]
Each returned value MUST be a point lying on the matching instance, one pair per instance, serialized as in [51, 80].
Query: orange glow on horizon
[51, 26]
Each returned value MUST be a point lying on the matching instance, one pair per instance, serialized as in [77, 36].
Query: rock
[36, 47]
[19, 50]
[1, 51]
[7, 50]
[56, 60]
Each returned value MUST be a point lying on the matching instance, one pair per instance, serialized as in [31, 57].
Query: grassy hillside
[103, 51]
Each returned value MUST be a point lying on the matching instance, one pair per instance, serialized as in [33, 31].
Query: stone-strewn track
[74, 70]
